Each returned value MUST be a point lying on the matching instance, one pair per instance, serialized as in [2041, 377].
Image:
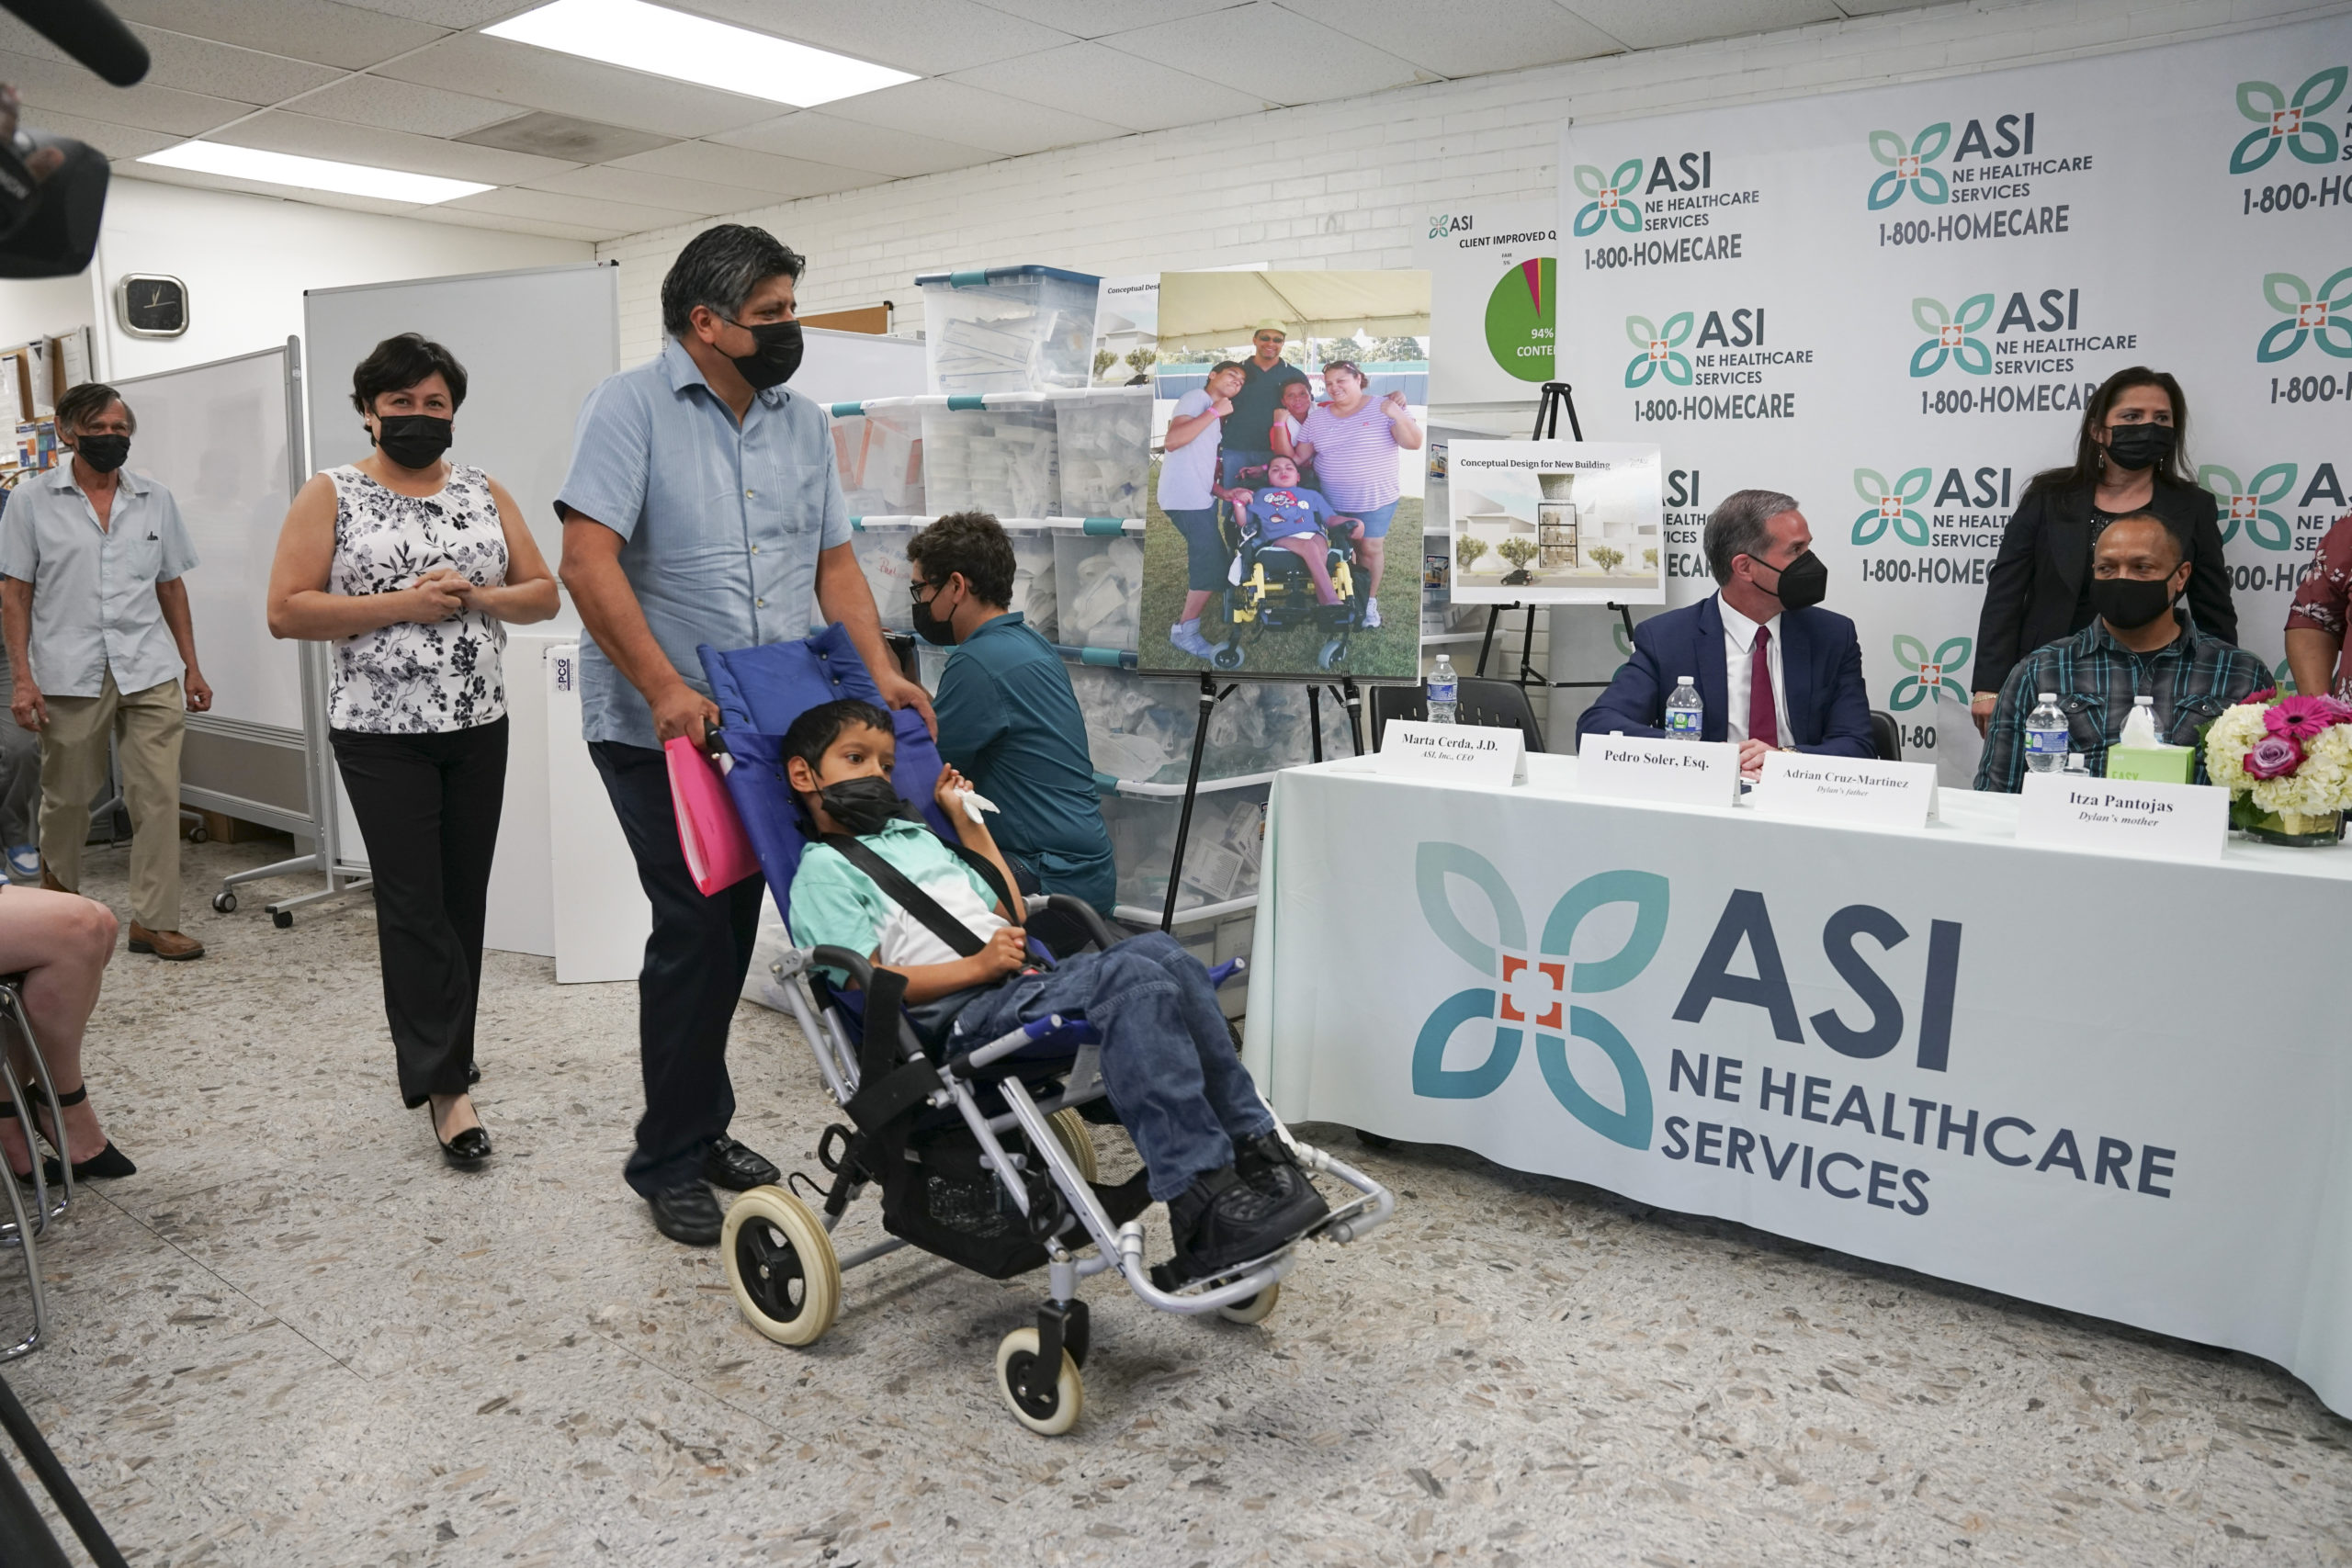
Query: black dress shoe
[731, 1165]
[468, 1149]
[473, 1072]
[688, 1214]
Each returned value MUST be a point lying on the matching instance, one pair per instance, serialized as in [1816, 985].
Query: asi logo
[1952, 334]
[1660, 349]
[2247, 506]
[1926, 678]
[1891, 506]
[1531, 988]
[1612, 199]
[2324, 317]
[2294, 126]
[1444, 223]
[1906, 168]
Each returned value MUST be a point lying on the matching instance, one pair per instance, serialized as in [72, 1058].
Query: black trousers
[428, 807]
[694, 963]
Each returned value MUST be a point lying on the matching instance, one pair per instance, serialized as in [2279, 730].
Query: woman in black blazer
[2129, 456]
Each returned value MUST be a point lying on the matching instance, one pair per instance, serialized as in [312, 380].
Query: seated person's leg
[59, 943]
[1224, 1079]
[1310, 548]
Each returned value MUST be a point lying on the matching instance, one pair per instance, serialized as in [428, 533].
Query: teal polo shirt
[1009, 721]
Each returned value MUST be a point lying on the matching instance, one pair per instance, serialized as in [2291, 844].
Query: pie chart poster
[1492, 278]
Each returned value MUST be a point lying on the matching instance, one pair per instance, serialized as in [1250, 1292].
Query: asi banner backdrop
[1875, 1040]
[1892, 304]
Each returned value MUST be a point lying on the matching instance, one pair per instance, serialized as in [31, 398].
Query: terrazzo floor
[295, 1338]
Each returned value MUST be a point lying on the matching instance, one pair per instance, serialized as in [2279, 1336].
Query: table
[2120, 1087]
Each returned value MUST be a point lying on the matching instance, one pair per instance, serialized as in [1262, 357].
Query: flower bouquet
[2287, 763]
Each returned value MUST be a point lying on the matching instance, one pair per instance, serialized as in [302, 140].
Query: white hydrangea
[2231, 737]
[2322, 785]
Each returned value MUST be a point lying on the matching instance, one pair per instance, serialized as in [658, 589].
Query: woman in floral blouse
[2315, 648]
[409, 565]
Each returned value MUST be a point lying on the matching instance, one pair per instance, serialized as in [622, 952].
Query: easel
[1211, 696]
[1558, 395]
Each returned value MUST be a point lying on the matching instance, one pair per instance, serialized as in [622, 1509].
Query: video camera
[49, 224]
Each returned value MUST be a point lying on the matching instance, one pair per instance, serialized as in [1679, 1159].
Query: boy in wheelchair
[1288, 514]
[1234, 1191]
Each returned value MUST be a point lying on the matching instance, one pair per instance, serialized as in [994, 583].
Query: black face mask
[412, 440]
[2137, 446]
[776, 357]
[1804, 582]
[104, 453]
[863, 805]
[2131, 602]
[930, 626]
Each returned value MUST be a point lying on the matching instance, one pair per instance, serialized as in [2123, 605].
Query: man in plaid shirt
[2135, 647]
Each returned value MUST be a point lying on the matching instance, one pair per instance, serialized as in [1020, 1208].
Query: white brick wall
[1342, 184]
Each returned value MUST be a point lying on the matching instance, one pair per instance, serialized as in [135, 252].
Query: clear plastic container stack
[1105, 450]
[1098, 582]
[1139, 728]
[880, 546]
[999, 456]
[1221, 854]
[1008, 329]
[877, 448]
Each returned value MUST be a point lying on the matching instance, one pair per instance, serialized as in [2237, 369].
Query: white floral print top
[410, 679]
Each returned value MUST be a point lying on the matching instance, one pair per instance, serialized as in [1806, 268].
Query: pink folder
[719, 853]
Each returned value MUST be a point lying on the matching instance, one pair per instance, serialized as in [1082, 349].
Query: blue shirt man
[702, 506]
[1008, 719]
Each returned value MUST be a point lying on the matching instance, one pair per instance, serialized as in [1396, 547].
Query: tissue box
[2152, 764]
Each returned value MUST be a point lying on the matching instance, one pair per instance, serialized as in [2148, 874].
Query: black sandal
[105, 1165]
[8, 1114]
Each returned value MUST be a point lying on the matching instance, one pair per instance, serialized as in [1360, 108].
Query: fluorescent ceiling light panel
[638, 37]
[311, 173]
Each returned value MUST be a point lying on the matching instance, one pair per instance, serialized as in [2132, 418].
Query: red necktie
[1763, 723]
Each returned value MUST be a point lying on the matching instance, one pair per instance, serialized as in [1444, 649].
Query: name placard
[2124, 817]
[1631, 767]
[1847, 789]
[1464, 753]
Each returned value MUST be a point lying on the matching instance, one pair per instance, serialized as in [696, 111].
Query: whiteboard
[535, 342]
[222, 437]
[849, 367]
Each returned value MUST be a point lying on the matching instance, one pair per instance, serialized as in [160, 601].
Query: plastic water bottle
[1441, 687]
[2045, 735]
[1686, 716]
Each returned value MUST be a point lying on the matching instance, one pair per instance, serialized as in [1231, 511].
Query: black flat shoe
[107, 1165]
[688, 1214]
[730, 1165]
[473, 1073]
[465, 1151]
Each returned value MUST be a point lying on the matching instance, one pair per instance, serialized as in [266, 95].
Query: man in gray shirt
[100, 644]
[702, 507]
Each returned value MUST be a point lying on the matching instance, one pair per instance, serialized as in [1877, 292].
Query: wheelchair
[984, 1158]
[1269, 587]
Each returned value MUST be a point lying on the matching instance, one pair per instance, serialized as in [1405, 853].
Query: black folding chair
[1496, 705]
[1886, 736]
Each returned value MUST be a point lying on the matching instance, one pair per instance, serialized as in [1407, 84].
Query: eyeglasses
[924, 592]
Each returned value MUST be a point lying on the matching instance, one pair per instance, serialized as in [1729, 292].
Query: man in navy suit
[1775, 671]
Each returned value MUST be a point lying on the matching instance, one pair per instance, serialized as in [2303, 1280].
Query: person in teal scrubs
[1008, 719]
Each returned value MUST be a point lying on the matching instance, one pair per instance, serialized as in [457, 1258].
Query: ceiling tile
[1878, 7]
[404, 106]
[955, 111]
[117, 142]
[550, 135]
[928, 37]
[610, 218]
[1659, 24]
[507, 223]
[1276, 55]
[542, 79]
[69, 89]
[1118, 89]
[1099, 18]
[778, 177]
[825, 138]
[321, 30]
[700, 198]
[453, 13]
[282, 130]
[224, 70]
[1465, 40]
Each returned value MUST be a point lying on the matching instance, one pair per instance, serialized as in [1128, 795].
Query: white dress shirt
[1739, 646]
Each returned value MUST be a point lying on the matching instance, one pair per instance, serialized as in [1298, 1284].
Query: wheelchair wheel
[1048, 1410]
[1257, 1309]
[1331, 654]
[1228, 657]
[1077, 1141]
[780, 1261]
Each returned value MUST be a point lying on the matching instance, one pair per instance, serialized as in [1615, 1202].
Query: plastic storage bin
[1098, 582]
[997, 454]
[877, 449]
[1221, 855]
[880, 544]
[1139, 728]
[1211, 940]
[1008, 329]
[1105, 450]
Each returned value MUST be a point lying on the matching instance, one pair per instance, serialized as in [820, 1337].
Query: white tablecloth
[2120, 1087]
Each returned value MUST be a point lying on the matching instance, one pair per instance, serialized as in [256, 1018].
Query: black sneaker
[1267, 1164]
[1220, 1220]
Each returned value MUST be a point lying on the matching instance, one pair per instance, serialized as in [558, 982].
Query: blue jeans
[1168, 1059]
